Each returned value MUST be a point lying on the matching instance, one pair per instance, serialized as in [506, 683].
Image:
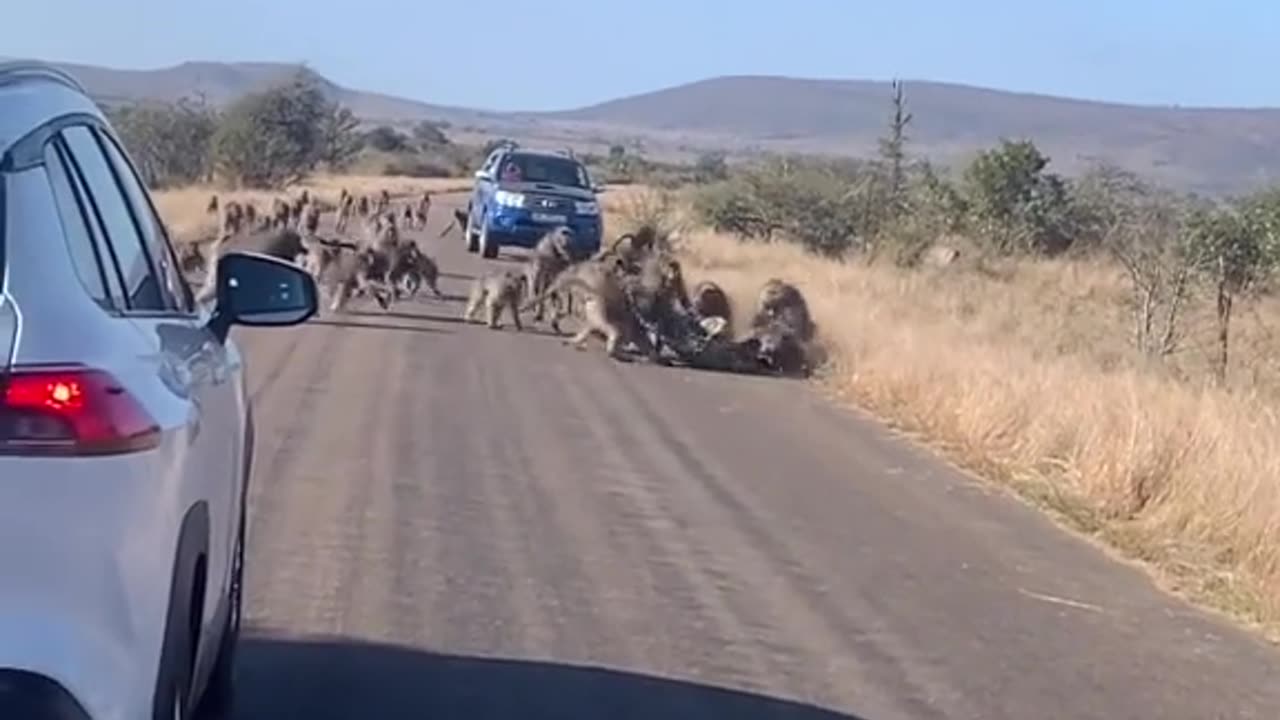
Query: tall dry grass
[1022, 373]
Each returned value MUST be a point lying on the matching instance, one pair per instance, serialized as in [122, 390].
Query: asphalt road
[449, 521]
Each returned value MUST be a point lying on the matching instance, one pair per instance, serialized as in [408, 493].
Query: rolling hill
[1211, 150]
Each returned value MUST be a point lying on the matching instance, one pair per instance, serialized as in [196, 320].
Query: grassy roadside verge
[1017, 373]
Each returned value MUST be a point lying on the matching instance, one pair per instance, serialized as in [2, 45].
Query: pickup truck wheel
[469, 233]
[488, 248]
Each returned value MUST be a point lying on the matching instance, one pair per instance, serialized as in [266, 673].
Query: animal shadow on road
[529, 329]
[345, 679]
[378, 326]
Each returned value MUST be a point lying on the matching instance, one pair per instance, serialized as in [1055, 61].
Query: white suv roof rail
[14, 70]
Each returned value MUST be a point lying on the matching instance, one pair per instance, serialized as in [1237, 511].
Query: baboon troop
[631, 294]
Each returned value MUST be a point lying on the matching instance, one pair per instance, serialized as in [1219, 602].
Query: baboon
[362, 206]
[411, 269]
[632, 247]
[422, 210]
[231, 218]
[283, 243]
[343, 271]
[345, 207]
[459, 221]
[280, 212]
[781, 300]
[310, 222]
[549, 258]
[657, 296]
[710, 300]
[191, 258]
[298, 207]
[250, 215]
[496, 291]
[605, 310]
[383, 203]
[779, 348]
[384, 235]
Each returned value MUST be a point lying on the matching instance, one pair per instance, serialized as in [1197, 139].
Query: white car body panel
[87, 545]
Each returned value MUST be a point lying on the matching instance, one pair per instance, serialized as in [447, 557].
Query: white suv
[125, 432]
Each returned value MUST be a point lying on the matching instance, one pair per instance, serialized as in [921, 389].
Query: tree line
[273, 137]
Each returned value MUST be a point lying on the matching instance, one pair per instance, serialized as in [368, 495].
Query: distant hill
[1207, 150]
[1210, 150]
[220, 83]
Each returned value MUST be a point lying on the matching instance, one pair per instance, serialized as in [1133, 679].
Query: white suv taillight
[71, 410]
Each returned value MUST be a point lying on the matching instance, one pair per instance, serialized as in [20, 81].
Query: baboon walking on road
[346, 206]
[421, 211]
[495, 292]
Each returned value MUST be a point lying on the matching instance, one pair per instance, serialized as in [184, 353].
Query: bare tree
[893, 150]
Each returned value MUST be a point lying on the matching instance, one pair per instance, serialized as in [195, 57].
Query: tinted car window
[141, 289]
[539, 168]
[153, 233]
[86, 255]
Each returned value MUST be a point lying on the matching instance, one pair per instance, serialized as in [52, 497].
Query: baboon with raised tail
[459, 221]
[495, 292]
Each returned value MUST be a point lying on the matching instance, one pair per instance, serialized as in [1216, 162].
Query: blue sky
[554, 54]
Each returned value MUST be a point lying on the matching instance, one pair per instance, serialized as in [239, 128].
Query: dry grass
[1023, 374]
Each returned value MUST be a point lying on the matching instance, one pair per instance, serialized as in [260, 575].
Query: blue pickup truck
[520, 194]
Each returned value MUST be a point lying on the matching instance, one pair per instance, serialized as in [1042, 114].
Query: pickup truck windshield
[544, 169]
